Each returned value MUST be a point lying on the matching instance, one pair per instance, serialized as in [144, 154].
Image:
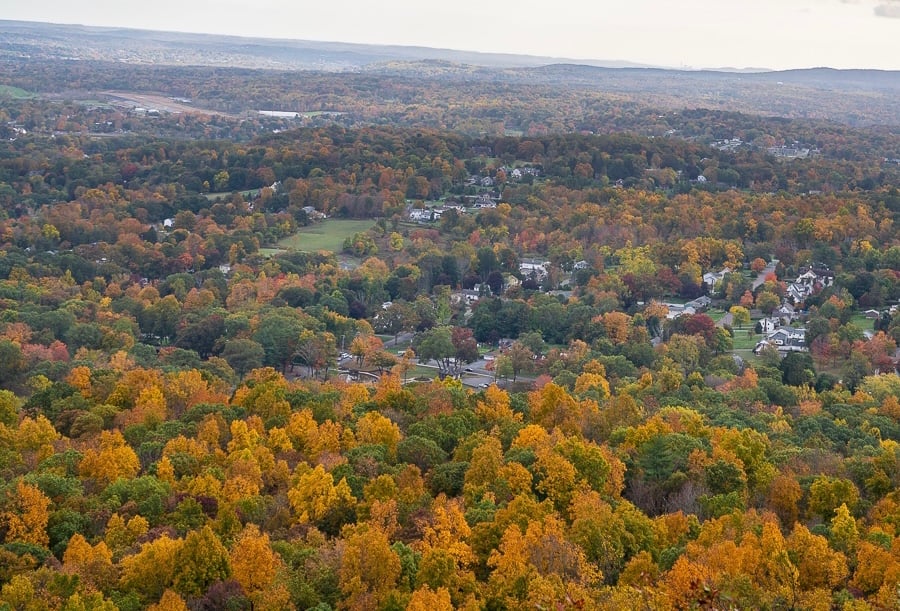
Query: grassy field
[226, 194]
[716, 314]
[14, 92]
[860, 320]
[327, 235]
[742, 341]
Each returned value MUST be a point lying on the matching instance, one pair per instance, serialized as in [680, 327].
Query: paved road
[761, 278]
[402, 338]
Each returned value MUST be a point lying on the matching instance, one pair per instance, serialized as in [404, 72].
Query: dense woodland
[180, 427]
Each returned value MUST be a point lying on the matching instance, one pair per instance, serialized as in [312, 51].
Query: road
[761, 278]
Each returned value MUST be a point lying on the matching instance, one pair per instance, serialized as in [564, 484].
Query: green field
[860, 320]
[327, 235]
[14, 92]
[226, 194]
[742, 341]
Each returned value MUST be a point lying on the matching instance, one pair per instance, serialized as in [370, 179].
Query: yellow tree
[369, 569]
[539, 567]
[149, 408]
[447, 557]
[253, 563]
[113, 459]
[170, 601]
[315, 496]
[783, 498]
[34, 439]
[818, 565]
[92, 563]
[27, 520]
[120, 535]
[592, 385]
[494, 407]
[426, 599]
[552, 406]
[150, 571]
[617, 326]
[374, 428]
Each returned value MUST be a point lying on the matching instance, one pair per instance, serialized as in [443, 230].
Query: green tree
[243, 355]
[12, 362]
[767, 302]
[437, 344]
[279, 335]
[201, 562]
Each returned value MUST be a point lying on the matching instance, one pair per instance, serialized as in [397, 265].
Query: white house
[420, 215]
[768, 325]
[534, 269]
[784, 339]
[711, 279]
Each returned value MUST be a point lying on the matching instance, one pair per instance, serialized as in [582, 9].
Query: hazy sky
[690, 33]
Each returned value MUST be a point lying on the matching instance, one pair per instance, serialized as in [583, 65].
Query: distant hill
[42, 58]
[34, 40]
[25, 39]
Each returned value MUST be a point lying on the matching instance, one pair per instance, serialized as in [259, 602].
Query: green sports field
[327, 235]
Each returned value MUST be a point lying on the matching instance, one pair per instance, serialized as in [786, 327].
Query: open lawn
[743, 341]
[716, 314]
[860, 320]
[327, 235]
[8, 91]
[226, 194]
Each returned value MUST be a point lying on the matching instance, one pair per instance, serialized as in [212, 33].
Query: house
[510, 281]
[678, 309]
[579, 265]
[534, 268]
[420, 215]
[467, 296]
[700, 303]
[798, 292]
[487, 181]
[872, 314]
[711, 279]
[786, 312]
[768, 325]
[784, 339]
[811, 281]
[312, 213]
[516, 174]
[484, 201]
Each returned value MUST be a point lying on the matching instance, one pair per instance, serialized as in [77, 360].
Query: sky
[775, 34]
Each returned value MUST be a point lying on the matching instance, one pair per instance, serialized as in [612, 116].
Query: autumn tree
[318, 500]
[112, 460]
[200, 562]
[740, 315]
[369, 569]
[27, 515]
[254, 565]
